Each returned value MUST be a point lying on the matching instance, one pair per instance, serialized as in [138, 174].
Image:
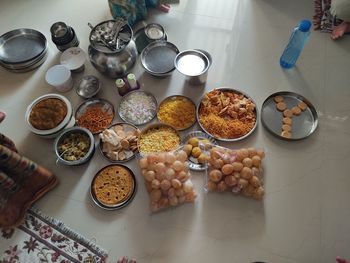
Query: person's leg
[2, 116]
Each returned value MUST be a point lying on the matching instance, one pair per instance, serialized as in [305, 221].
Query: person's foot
[340, 30]
[341, 260]
[2, 116]
[126, 260]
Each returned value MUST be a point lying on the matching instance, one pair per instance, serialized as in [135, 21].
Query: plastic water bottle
[296, 44]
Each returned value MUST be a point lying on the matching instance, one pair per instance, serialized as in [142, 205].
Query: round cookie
[302, 105]
[281, 106]
[286, 134]
[278, 99]
[287, 113]
[286, 127]
[113, 185]
[287, 120]
[296, 111]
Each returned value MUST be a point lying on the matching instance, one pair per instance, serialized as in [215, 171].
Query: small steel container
[88, 87]
[63, 36]
[154, 32]
[194, 64]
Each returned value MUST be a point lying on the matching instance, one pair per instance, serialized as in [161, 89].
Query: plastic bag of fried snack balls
[236, 171]
[167, 179]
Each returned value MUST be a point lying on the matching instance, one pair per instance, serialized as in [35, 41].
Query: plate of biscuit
[289, 116]
[113, 187]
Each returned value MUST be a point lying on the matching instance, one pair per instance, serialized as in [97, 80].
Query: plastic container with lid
[297, 41]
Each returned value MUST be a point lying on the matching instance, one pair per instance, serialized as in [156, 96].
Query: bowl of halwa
[74, 146]
[49, 115]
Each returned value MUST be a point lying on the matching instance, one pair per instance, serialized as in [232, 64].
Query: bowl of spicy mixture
[74, 146]
[95, 115]
[227, 114]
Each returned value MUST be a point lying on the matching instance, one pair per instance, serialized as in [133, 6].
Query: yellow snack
[162, 139]
[193, 141]
[196, 152]
[178, 112]
[188, 149]
[113, 185]
[227, 114]
[202, 158]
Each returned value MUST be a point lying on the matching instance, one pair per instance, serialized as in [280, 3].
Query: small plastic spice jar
[122, 87]
[133, 85]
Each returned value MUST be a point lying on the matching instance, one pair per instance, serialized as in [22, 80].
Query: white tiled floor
[305, 215]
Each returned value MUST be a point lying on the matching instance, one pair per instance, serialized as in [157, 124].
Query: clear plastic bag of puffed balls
[237, 171]
[167, 179]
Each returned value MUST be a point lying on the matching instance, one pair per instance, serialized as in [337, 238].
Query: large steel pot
[113, 63]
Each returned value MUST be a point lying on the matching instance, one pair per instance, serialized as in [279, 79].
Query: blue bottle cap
[304, 25]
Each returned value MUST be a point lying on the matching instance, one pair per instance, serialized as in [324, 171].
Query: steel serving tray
[302, 126]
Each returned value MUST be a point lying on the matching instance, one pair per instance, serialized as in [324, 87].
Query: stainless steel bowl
[67, 132]
[194, 64]
[88, 86]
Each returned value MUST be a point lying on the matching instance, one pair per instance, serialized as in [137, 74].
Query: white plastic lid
[57, 75]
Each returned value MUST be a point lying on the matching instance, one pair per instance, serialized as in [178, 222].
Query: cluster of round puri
[237, 171]
[167, 179]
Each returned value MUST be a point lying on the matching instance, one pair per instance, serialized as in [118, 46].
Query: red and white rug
[44, 239]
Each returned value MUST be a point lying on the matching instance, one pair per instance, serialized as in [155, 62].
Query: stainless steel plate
[131, 112]
[192, 162]
[302, 126]
[21, 45]
[25, 67]
[129, 154]
[174, 97]
[233, 139]
[158, 57]
[105, 105]
[121, 205]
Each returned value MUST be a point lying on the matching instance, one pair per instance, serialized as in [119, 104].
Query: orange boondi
[95, 119]
[226, 114]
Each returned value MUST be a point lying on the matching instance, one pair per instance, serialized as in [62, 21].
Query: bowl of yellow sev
[158, 137]
[227, 114]
[177, 111]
